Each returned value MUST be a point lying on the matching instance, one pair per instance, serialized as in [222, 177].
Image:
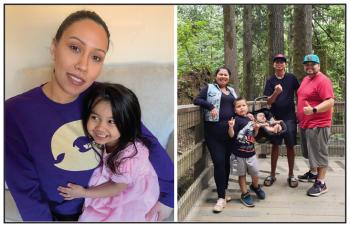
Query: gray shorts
[247, 165]
[314, 145]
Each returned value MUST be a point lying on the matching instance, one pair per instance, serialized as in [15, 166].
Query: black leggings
[220, 151]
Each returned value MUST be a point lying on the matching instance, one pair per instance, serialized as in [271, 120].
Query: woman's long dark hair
[126, 112]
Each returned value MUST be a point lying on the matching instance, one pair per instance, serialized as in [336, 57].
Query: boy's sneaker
[317, 189]
[258, 191]
[247, 200]
[307, 177]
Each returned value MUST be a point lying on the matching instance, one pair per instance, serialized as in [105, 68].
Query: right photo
[261, 123]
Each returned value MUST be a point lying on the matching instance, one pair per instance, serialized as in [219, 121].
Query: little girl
[125, 186]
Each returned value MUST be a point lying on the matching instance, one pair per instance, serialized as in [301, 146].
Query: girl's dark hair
[126, 112]
[222, 67]
[78, 16]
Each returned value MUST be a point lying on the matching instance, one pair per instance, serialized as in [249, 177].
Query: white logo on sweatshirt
[71, 148]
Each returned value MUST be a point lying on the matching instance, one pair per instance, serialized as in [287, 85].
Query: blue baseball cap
[311, 58]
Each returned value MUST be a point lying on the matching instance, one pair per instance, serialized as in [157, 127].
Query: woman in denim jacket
[217, 101]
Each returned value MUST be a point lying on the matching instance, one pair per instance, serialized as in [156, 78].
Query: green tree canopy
[201, 41]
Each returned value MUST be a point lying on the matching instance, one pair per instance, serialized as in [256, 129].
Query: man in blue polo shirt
[280, 89]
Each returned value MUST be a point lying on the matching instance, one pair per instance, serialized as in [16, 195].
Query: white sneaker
[220, 205]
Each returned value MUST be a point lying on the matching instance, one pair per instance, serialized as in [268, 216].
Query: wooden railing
[336, 143]
[194, 166]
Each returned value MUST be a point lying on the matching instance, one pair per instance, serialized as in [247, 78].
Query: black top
[226, 104]
[243, 139]
[226, 107]
[283, 108]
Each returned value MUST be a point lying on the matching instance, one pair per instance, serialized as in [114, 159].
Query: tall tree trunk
[247, 53]
[260, 39]
[276, 33]
[302, 44]
[308, 28]
[230, 42]
[290, 47]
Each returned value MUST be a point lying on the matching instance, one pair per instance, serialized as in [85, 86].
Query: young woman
[217, 99]
[45, 145]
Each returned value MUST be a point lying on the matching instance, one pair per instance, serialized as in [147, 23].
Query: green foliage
[201, 41]
[200, 38]
[329, 38]
[260, 38]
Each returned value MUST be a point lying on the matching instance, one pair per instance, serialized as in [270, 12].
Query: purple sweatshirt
[45, 147]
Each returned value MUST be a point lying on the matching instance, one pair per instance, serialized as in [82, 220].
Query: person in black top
[216, 99]
[280, 89]
[243, 131]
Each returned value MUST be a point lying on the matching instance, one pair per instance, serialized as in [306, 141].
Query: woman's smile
[76, 80]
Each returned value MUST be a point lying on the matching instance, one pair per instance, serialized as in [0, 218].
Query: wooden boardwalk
[282, 203]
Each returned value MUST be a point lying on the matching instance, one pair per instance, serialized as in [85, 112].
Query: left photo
[83, 88]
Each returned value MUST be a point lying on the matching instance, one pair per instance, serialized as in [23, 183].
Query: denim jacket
[214, 97]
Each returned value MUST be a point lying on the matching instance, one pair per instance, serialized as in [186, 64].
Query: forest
[246, 37]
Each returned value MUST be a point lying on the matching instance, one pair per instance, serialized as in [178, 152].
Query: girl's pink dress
[135, 201]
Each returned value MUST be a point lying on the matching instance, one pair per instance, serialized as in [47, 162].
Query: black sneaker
[317, 189]
[307, 177]
[258, 191]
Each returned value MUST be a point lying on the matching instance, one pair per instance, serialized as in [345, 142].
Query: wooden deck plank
[282, 203]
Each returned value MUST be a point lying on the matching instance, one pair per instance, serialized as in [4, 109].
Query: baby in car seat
[271, 125]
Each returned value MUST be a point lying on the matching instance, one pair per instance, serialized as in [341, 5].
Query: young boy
[243, 130]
